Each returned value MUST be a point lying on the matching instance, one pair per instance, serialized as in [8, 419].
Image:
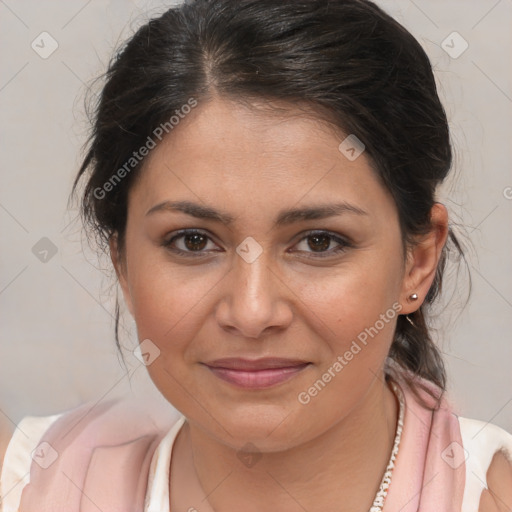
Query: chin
[270, 428]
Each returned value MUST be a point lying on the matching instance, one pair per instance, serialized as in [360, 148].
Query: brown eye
[323, 243]
[319, 242]
[195, 241]
[190, 243]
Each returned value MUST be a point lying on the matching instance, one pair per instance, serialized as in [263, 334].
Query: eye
[189, 241]
[319, 244]
[197, 243]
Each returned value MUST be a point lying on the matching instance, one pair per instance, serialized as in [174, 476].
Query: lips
[256, 373]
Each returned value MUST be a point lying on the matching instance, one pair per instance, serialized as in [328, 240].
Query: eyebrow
[285, 217]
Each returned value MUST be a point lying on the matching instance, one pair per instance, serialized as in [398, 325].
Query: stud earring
[413, 297]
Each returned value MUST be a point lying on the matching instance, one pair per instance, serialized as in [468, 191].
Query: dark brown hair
[347, 58]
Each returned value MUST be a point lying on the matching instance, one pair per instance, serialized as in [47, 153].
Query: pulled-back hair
[347, 60]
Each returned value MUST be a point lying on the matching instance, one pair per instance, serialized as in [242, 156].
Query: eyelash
[344, 244]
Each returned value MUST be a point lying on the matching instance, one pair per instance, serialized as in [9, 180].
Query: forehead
[233, 154]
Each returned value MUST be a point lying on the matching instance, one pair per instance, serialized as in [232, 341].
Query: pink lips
[256, 373]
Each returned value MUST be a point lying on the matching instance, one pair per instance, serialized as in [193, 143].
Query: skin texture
[498, 495]
[289, 302]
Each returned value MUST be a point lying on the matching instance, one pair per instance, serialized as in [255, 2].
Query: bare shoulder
[6, 431]
[498, 495]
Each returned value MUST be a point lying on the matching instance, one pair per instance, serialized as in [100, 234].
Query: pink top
[110, 456]
[429, 472]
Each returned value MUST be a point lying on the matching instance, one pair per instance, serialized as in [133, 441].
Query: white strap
[481, 441]
[18, 457]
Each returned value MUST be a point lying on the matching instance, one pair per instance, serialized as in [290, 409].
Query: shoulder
[18, 443]
[485, 449]
[6, 431]
[488, 452]
[498, 495]
[92, 439]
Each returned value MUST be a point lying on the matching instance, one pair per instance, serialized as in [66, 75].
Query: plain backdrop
[57, 346]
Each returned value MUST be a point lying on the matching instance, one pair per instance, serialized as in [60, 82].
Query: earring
[412, 298]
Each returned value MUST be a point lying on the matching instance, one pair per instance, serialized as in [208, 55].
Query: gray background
[56, 346]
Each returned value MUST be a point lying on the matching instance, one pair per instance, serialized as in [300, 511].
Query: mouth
[256, 373]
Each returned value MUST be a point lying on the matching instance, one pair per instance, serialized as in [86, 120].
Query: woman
[264, 175]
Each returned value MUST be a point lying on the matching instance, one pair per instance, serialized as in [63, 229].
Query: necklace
[378, 502]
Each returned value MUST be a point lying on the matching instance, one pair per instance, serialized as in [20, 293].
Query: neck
[340, 470]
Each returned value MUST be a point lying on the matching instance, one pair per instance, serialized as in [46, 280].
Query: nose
[255, 299]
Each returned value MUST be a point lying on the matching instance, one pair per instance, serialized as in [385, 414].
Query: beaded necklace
[378, 502]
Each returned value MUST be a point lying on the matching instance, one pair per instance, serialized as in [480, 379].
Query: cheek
[170, 303]
[169, 309]
[353, 299]
[354, 315]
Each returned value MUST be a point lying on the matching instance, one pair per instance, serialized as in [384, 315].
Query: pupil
[323, 242]
[196, 240]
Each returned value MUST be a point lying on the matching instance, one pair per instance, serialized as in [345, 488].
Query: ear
[422, 260]
[120, 268]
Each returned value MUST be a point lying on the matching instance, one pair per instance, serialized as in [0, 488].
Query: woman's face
[296, 274]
